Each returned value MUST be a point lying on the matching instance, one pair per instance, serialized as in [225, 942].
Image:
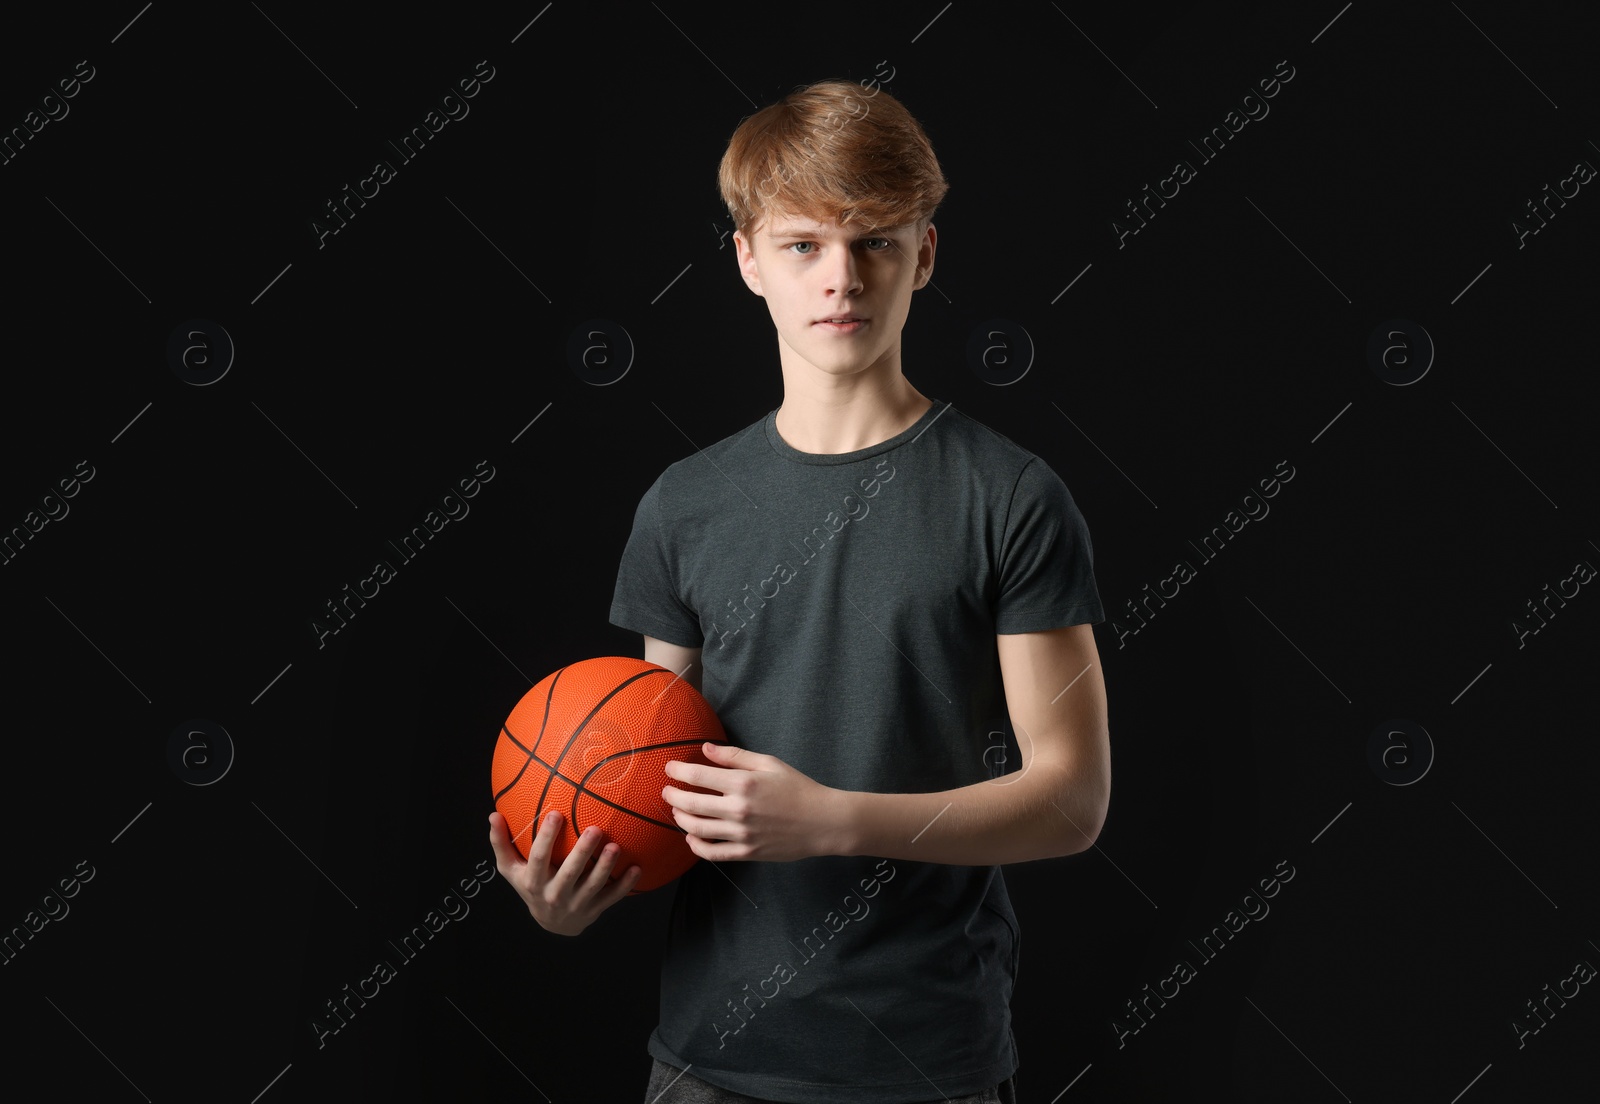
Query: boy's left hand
[763, 809]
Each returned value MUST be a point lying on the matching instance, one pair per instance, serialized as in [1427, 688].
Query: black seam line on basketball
[538, 811]
[520, 770]
[622, 809]
[579, 783]
[514, 740]
[581, 786]
[555, 678]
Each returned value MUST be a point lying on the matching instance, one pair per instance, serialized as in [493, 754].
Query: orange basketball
[591, 740]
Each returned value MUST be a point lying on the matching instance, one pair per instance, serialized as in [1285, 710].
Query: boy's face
[808, 272]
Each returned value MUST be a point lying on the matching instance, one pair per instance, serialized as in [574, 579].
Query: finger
[590, 841]
[601, 874]
[692, 774]
[506, 859]
[703, 826]
[684, 801]
[619, 888]
[544, 841]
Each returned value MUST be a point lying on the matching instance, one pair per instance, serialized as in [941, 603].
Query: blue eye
[887, 244]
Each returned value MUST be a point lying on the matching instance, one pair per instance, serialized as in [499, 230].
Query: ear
[744, 254]
[925, 251]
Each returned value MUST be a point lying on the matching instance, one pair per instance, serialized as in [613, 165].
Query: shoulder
[1009, 471]
[982, 438]
[685, 481]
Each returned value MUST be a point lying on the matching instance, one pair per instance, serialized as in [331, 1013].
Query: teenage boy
[861, 584]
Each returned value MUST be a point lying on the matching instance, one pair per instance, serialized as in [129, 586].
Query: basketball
[591, 741]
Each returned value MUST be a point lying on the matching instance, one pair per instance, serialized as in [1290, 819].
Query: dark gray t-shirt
[847, 607]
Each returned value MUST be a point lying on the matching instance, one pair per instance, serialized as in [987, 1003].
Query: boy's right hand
[563, 901]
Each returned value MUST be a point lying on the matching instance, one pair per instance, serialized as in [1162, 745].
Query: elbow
[1093, 797]
[1081, 840]
[1099, 821]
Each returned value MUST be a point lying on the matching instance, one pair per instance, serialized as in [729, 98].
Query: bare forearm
[1039, 813]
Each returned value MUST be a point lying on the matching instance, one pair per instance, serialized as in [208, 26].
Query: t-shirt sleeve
[647, 600]
[1046, 559]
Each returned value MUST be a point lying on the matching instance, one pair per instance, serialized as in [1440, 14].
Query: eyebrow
[775, 235]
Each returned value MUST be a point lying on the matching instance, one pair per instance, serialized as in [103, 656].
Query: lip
[854, 324]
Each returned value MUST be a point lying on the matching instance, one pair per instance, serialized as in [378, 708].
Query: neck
[834, 415]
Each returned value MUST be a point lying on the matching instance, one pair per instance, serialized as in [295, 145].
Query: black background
[373, 372]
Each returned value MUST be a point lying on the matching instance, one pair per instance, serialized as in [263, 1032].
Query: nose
[842, 275]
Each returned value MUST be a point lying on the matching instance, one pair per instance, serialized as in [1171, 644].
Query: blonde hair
[831, 152]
